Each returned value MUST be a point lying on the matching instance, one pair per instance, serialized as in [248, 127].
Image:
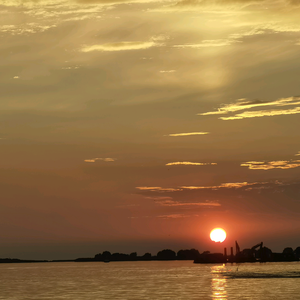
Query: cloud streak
[121, 46]
[125, 45]
[263, 113]
[177, 203]
[188, 133]
[92, 160]
[227, 185]
[157, 189]
[248, 105]
[173, 216]
[279, 164]
[208, 43]
[188, 163]
[167, 71]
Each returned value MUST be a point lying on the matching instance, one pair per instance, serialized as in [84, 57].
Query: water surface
[149, 280]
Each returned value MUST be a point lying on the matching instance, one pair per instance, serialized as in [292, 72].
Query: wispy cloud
[229, 185]
[188, 163]
[177, 203]
[208, 43]
[280, 164]
[167, 71]
[263, 113]
[26, 29]
[45, 15]
[297, 154]
[92, 160]
[245, 104]
[173, 216]
[157, 189]
[121, 46]
[159, 198]
[168, 201]
[235, 38]
[126, 45]
[188, 133]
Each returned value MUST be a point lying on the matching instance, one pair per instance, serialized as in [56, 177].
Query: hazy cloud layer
[227, 5]
[33, 17]
[244, 34]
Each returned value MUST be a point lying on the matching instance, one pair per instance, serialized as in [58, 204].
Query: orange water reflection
[218, 282]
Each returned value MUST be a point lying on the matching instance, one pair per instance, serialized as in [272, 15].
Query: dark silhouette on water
[257, 253]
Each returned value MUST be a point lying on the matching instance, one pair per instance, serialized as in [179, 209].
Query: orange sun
[218, 235]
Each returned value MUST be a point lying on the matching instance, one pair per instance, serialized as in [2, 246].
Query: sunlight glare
[218, 235]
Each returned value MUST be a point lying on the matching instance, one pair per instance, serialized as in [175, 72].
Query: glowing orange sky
[141, 127]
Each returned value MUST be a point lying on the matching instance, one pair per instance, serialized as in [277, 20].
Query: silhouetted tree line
[246, 255]
[263, 254]
[165, 254]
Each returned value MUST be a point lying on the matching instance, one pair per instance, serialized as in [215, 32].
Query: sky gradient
[142, 125]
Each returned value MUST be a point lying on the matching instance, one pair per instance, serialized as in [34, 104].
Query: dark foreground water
[149, 280]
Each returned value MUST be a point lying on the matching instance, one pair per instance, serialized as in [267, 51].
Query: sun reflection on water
[218, 283]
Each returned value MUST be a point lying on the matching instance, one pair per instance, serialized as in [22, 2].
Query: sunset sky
[139, 125]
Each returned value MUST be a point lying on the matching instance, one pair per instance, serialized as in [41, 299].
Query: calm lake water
[149, 280]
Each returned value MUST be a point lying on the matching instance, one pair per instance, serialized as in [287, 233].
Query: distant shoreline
[263, 254]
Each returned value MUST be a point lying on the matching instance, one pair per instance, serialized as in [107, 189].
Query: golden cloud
[280, 164]
[157, 189]
[177, 203]
[159, 198]
[124, 46]
[208, 43]
[244, 104]
[228, 185]
[227, 6]
[263, 113]
[238, 37]
[188, 163]
[167, 71]
[92, 160]
[173, 216]
[188, 133]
